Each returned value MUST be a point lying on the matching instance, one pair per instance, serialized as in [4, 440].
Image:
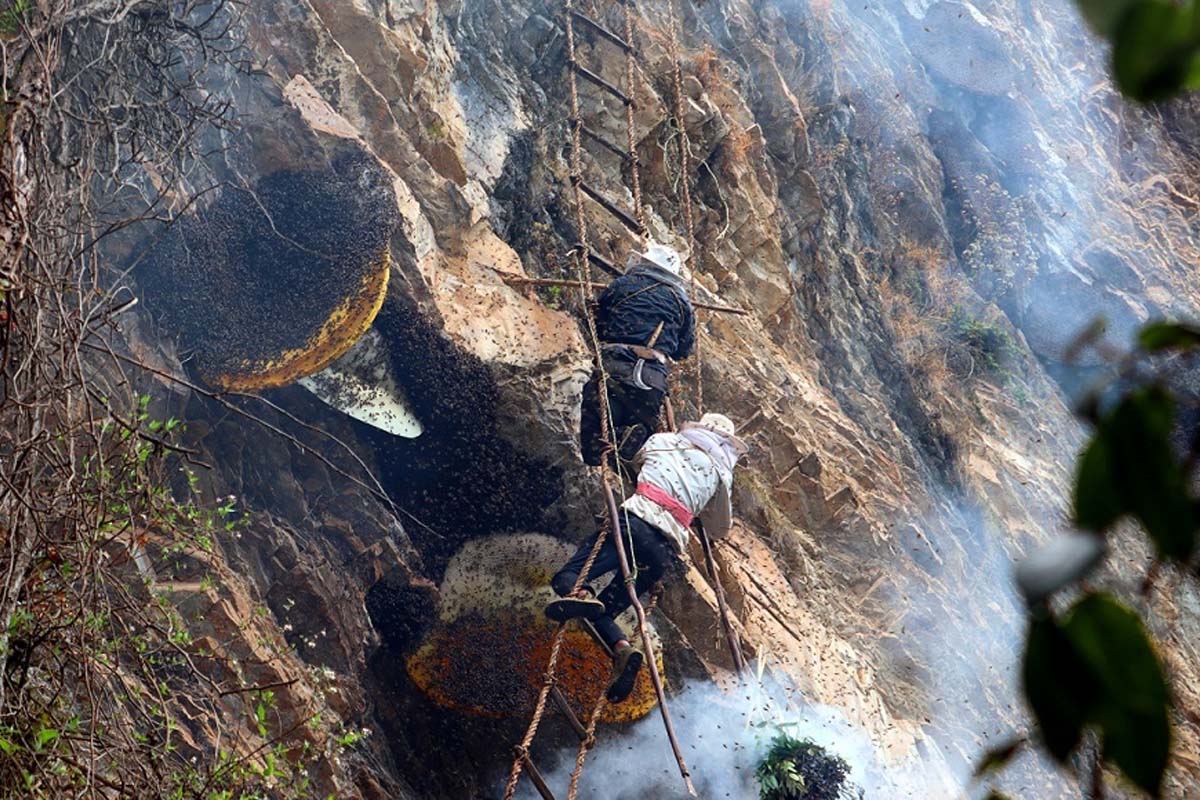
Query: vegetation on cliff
[103, 687]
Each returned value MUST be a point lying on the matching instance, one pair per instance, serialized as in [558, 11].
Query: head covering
[657, 255]
[719, 423]
[662, 256]
[714, 434]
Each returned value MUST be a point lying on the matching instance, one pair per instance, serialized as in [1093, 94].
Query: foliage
[987, 344]
[797, 769]
[103, 688]
[1090, 665]
[1155, 44]
[12, 14]
[1094, 665]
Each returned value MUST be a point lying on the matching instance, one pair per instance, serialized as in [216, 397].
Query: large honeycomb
[487, 653]
[273, 282]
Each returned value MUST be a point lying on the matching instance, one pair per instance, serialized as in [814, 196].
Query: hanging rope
[539, 709]
[589, 739]
[685, 169]
[630, 127]
[583, 268]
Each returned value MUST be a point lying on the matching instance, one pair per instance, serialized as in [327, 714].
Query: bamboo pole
[515, 280]
[735, 648]
[655, 678]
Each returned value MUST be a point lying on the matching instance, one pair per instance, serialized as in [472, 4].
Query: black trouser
[634, 416]
[652, 552]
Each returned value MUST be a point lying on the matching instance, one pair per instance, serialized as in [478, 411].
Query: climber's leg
[625, 408]
[651, 553]
[582, 604]
[626, 662]
[591, 437]
[641, 409]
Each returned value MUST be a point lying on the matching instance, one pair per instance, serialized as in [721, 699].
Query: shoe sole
[622, 685]
[571, 608]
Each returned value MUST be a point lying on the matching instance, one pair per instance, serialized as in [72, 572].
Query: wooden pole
[670, 409]
[735, 648]
[614, 516]
[514, 280]
[535, 775]
[564, 707]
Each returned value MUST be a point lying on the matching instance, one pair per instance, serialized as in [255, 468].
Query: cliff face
[920, 204]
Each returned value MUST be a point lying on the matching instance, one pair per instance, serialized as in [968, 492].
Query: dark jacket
[633, 305]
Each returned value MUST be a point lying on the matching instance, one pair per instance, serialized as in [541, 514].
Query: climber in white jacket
[683, 477]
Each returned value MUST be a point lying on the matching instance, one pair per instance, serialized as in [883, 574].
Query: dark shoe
[626, 664]
[565, 608]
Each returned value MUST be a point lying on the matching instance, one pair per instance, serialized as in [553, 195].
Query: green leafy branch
[798, 769]
[1155, 44]
[1089, 664]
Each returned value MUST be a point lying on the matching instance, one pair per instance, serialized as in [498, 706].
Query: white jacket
[689, 474]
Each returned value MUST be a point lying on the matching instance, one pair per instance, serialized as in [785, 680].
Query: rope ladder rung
[535, 776]
[564, 708]
[590, 134]
[602, 31]
[596, 80]
[622, 216]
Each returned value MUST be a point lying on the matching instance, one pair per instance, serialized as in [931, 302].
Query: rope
[685, 169]
[584, 273]
[630, 129]
[584, 269]
[539, 709]
[589, 739]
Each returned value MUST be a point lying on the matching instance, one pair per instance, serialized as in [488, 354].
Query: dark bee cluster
[261, 269]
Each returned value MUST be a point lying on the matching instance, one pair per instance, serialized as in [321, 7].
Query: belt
[641, 351]
[667, 502]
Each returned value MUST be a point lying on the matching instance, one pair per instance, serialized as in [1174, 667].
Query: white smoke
[724, 735]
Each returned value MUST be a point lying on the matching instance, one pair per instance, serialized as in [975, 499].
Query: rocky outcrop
[918, 238]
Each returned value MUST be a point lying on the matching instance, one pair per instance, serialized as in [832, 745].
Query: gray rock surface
[919, 203]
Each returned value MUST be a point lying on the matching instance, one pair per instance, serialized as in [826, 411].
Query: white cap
[662, 256]
[719, 423]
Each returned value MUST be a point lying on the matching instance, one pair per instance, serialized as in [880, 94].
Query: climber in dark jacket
[645, 320]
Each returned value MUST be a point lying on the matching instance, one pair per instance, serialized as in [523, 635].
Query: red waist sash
[668, 502]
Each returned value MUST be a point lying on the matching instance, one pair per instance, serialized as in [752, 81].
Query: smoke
[724, 735]
[970, 635]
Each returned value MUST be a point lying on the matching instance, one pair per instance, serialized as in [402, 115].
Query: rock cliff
[920, 203]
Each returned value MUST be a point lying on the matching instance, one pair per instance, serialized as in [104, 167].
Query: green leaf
[1134, 701]
[1059, 690]
[1169, 336]
[1130, 467]
[1193, 77]
[44, 737]
[998, 757]
[1154, 46]
[1109, 637]
[1153, 480]
[1139, 744]
[1098, 501]
[1104, 15]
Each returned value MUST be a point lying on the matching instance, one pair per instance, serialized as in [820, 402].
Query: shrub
[797, 769]
[986, 343]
